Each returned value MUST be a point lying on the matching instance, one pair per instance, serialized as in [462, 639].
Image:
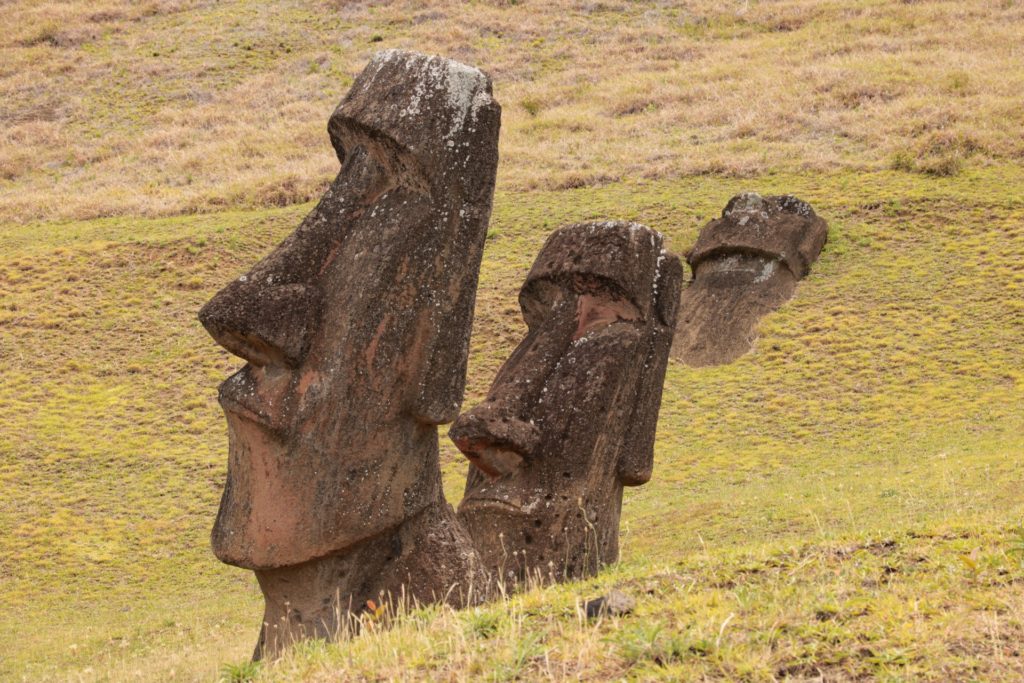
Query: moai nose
[498, 435]
[493, 440]
[263, 323]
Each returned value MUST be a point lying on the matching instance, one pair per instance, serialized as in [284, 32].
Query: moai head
[356, 327]
[571, 416]
[745, 265]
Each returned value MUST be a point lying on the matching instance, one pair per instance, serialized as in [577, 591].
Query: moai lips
[745, 265]
[356, 332]
[571, 416]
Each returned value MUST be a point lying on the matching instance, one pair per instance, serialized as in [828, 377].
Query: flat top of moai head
[778, 227]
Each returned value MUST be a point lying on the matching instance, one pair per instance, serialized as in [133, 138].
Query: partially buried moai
[745, 264]
[571, 416]
[356, 332]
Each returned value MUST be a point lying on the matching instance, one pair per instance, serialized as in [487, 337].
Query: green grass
[883, 402]
[942, 605]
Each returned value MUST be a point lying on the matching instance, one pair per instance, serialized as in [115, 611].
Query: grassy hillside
[842, 501]
[168, 106]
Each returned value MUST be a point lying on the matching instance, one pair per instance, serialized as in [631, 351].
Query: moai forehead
[419, 115]
[618, 259]
[777, 227]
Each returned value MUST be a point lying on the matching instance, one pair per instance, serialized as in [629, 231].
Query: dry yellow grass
[168, 106]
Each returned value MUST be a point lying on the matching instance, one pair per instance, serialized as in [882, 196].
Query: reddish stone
[571, 416]
[356, 332]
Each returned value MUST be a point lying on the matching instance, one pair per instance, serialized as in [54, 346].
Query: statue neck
[428, 558]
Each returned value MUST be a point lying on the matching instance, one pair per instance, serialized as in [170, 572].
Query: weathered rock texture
[745, 265]
[570, 418]
[356, 332]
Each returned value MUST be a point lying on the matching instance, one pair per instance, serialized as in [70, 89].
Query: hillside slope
[844, 499]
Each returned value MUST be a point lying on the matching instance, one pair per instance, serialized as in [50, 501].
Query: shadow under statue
[355, 330]
[570, 418]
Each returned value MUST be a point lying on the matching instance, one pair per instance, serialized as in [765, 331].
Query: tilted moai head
[571, 416]
[356, 332]
[745, 265]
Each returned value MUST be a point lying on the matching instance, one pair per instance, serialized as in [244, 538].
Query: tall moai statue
[355, 330]
[745, 265]
[571, 416]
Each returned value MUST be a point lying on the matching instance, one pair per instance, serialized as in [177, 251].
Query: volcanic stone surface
[615, 604]
[570, 418]
[745, 265]
[355, 330]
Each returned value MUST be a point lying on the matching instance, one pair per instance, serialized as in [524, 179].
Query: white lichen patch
[463, 88]
[767, 270]
[748, 202]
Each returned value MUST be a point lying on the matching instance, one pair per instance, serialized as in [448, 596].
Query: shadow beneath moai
[745, 265]
[356, 332]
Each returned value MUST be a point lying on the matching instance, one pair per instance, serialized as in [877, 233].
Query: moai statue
[570, 418]
[745, 265]
[356, 332]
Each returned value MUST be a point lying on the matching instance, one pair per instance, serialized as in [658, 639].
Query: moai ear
[445, 326]
[667, 288]
[636, 462]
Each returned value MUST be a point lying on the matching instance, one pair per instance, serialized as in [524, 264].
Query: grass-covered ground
[842, 502]
[160, 107]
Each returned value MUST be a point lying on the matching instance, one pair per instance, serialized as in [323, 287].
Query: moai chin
[571, 416]
[745, 264]
[356, 332]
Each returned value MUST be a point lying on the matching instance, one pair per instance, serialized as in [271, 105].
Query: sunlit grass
[883, 399]
[844, 501]
[941, 605]
[173, 106]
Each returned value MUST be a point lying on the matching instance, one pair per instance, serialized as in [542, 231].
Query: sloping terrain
[175, 106]
[845, 500]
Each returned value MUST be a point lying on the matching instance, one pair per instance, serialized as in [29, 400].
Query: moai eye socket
[594, 313]
[540, 297]
[597, 303]
[600, 304]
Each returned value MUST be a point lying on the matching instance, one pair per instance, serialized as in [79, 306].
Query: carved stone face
[745, 265]
[570, 418]
[356, 327]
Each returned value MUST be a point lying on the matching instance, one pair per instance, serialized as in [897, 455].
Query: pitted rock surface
[356, 330]
[615, 604]
[745, 265]
[571, 416]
